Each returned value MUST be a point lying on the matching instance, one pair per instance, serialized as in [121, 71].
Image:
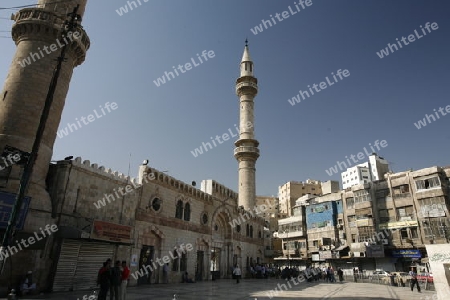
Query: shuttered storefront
[79, 263]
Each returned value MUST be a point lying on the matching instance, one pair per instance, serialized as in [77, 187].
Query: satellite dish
[194, 183]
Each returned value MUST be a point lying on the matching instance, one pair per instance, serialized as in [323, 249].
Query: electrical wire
[32, 5]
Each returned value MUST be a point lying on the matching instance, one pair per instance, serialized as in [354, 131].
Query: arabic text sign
[413, 253]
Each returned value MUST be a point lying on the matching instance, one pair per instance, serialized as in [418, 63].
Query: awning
[340, 248]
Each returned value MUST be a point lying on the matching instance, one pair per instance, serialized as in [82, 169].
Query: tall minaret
[37, 35]
[246, 151]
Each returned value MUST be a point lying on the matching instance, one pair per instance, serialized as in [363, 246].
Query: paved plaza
[259, 289]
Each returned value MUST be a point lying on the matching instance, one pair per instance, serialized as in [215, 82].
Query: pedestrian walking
[355, 274]
[237, 272]
[414, 281]
[166, 273]
[103, 279]
[340, 274]
[115, 281]
[124, 278]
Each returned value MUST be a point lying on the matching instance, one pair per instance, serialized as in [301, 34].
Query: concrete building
[324, 221]
[372, 170]
[99, 213]
[289, 192]
[389, 222]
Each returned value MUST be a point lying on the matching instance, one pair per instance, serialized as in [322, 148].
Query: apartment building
[289, 192]
[389, 222]
[372, 170]
[292, 232]
[324, 221]
[382, 224]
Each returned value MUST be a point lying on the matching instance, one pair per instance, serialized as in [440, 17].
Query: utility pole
[69, 26]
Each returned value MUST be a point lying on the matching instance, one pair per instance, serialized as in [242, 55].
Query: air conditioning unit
[385, 241]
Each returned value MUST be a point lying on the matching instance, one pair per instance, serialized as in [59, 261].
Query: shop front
[82, 254]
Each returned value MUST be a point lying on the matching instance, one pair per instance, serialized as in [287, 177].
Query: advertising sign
[111, 232]
[6, 206]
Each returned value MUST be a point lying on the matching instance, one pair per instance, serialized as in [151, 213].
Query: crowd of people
[310, 273]
[113, 279]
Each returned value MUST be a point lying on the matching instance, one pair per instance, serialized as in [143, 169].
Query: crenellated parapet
[102, 171]
[39, 24]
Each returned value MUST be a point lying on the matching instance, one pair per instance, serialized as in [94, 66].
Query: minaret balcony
[48, 26]
[246, 85]
[246, 150]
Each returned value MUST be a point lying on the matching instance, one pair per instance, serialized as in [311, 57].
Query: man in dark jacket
[116, 280]
[103, 279]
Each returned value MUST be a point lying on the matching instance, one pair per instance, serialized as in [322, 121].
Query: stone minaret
[246, 151]
[37, 35]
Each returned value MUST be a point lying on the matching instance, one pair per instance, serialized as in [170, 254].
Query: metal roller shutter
[90, 260]
[67, 265]
[79, 263]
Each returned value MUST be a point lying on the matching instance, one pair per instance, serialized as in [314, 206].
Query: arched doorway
[150, 241]
[221, 247]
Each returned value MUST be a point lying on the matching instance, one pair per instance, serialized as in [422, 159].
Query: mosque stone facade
[103, 214]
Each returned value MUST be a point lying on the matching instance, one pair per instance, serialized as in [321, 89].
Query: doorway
[199, 266]
[146, 259]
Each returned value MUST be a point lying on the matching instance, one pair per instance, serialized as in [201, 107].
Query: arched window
[187, 212]
[179, 211]
[251, 231]
[247, 231]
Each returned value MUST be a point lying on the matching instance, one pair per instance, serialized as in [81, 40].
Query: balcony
[291, 234]
[243, 150]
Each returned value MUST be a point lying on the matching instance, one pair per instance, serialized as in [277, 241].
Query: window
[176, 261]
[352, 221]
[401, 191]
[247, 230]
[187, 212]
[156, 204]
[414, 234]
[251, 231]
[315, 243]
[350, 203]
[405, 213]
[179, 210]
[183, 262]
[428, 183]
[204, 219]
[404, 233]
[353, 238]
[362, 196]
[366, 234]
[238, 228]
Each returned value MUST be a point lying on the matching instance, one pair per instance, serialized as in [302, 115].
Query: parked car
[380, 275]
[425, 277]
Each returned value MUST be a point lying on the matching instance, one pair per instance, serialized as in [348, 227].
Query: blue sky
[380, 100]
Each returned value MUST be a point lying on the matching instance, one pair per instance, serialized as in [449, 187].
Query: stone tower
[246, 151]
[37, 33]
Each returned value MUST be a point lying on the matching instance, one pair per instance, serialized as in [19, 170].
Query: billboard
[7, 202]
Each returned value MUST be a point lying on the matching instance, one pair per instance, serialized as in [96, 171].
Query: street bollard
[12, 295]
